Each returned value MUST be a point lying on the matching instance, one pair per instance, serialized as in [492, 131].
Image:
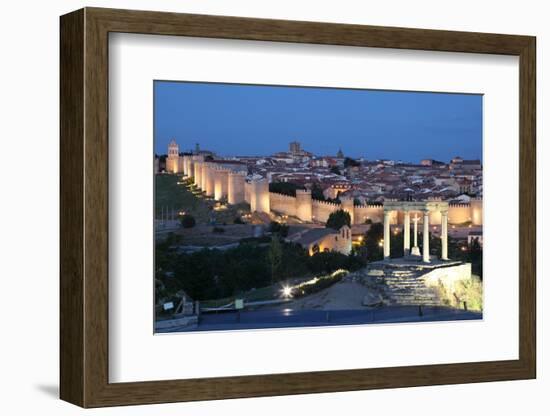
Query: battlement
[280, 195]
[326, 203]
[365, 206]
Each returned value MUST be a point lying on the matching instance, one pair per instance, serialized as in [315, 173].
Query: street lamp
[287, 291]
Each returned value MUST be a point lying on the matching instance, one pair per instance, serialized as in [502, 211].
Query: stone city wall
[322, 209]
[282, 204]
[220, 182]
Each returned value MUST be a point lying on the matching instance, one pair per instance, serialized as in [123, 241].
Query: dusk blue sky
[235, 119]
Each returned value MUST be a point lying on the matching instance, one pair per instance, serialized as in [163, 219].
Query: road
[285, 317]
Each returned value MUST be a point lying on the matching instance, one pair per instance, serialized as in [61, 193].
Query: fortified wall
[304, 207]
[224, 181]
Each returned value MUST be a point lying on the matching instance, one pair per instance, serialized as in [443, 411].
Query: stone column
[406, 233]
[426, 238]
[444, 237]
[387, 234]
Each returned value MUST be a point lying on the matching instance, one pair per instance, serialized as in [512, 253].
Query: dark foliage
[351, 163]
[338, 219]
[285, 188]
[215, 274]
[278, 228]
[187, 221]
[372, 242]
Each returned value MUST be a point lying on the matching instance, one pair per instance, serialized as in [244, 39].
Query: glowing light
[287, 291]
[360, 239]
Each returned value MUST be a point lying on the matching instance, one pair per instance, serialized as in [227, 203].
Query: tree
[315, 249]
[338, 219]
[275, 256]
[278, 228]
[335, 170]
[317, 192]
[285, 188]
[372, 240]
[187, 221]
[349, 162]
[475, 256]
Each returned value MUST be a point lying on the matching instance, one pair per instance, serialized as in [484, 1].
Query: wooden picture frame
[84, 207]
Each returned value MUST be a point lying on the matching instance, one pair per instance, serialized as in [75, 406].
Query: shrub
[278, 228]
[187, 221]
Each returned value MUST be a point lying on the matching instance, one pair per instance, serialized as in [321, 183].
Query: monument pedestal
[415, 251]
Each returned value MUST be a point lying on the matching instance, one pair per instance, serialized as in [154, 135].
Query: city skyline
[257, 120]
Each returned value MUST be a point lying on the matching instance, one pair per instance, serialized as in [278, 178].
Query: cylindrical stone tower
[259, 196]
[220, 184]
[198, 174]
[303, 205]
[476, 211]
[347, 205]
[235, 187]
[203, 175]
[210, 174]
[185, 171]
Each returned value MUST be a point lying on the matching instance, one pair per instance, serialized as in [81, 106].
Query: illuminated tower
[259, 196]
[303, 204]
[348, 206]
[172, 162]
[235, 187]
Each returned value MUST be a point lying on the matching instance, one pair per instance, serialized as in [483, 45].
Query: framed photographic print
[255, 207]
